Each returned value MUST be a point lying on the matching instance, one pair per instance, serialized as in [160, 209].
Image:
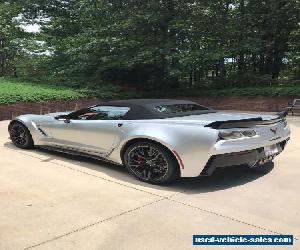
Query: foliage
[154, 44]
[230, 91]
[255, 91]
[13, 91]
[293, 55]
[9, 35]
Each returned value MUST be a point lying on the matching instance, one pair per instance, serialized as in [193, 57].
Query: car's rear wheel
[151, 162]
[21, 136]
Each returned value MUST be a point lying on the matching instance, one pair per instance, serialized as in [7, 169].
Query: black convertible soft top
[158, 108]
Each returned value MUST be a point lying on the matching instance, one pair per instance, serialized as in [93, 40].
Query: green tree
[10, 33]
[165, 42]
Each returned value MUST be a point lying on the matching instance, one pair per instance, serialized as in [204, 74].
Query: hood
[40, 118]
[58, 113]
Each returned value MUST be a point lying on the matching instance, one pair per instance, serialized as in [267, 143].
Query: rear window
[179, 108]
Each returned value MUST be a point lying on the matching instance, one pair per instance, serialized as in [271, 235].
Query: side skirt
[78, 153]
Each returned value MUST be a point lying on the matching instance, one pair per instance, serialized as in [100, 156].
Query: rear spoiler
[246, 123]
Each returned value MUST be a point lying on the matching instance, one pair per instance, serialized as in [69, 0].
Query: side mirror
[63, 118]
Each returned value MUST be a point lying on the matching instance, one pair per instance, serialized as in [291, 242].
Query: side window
[100, 113]
[179, 108]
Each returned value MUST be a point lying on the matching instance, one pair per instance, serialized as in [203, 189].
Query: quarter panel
[193, 143]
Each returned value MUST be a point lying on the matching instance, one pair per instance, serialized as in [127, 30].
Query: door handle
[120, 125]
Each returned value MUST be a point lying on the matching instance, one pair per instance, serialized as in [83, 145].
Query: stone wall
[10, 111]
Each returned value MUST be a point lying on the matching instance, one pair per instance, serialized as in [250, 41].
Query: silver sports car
[157, 140]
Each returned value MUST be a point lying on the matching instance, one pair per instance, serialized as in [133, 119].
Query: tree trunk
[167, 33]
[241, 63]
[222, 68]
[261, 63]
[241, 58]
[254, 63]
[1, 57]
[217, 70]
[268, 63]
[277, 62]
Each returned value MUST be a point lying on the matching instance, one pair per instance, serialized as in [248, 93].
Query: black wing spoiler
[246, 123]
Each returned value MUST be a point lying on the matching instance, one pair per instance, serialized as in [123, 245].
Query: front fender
[29, 121]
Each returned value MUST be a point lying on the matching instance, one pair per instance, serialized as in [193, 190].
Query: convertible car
[158, 140]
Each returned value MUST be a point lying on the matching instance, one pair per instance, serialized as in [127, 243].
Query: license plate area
[271, 150]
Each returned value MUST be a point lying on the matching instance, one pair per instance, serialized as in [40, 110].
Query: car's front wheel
[21, 136]
[151, 162]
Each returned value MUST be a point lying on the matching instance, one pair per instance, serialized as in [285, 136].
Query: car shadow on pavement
[221, 179]
[224, 178]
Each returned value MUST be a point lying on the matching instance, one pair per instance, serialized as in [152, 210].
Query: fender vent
[43, 132]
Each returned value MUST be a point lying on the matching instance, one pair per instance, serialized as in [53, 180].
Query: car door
[95, 129]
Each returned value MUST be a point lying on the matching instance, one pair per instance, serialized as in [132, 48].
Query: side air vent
[43, 132]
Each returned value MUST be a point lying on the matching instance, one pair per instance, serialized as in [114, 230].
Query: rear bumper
[249, 157]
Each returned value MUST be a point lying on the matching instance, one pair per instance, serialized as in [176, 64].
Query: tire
[20, 136]
[151, 163]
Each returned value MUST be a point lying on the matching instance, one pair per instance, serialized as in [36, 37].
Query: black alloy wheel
[20, 136]
[150, 162]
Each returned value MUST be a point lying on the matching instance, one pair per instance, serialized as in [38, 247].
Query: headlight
[226, 135]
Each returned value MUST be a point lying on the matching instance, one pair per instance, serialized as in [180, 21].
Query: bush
[13, 90]
[249, 79]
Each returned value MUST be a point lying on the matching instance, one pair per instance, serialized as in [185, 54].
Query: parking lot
[53, 201]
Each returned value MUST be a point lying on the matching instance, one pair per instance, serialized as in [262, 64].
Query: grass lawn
[12, 91]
